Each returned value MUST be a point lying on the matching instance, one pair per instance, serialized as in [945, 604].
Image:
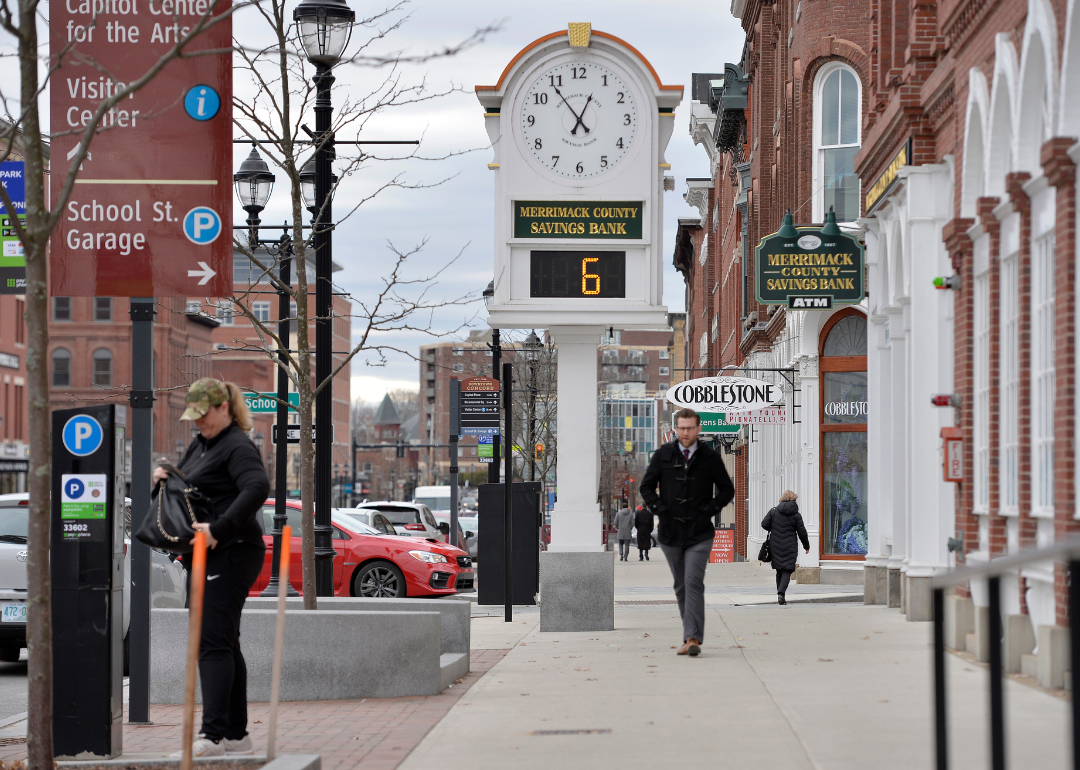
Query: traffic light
[539, 451]
[400, 450]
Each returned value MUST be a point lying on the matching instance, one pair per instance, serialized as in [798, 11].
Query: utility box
[87, 569]
[525, 545]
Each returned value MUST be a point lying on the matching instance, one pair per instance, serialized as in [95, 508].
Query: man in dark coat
[694, 486]
[643, 520]
[784, 523]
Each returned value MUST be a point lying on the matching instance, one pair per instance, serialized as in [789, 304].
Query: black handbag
[174, 508]
[765, 554]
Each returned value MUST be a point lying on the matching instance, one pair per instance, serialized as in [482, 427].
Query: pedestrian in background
[624, 531]
[224, 464]
[643, 519]
[687, 472]
[784, 524]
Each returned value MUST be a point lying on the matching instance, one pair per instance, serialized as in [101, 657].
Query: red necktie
[686, 454]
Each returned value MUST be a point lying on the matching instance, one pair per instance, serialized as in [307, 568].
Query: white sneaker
[242, 746]
[203, 747]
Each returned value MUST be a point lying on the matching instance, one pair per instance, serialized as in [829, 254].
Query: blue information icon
[202, 102]
[82, 435]
[202, 225]
[74, 489]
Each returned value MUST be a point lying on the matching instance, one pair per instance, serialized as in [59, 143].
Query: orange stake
[279, 639]
[195, 602]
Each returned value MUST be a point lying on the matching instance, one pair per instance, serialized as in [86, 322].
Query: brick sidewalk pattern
[376, 734]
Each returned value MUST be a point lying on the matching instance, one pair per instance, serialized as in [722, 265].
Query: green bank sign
[716, 422]
[810, 269]
[263, 403]
[589, 220]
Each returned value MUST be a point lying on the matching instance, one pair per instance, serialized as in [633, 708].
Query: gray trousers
[688, 569]
[624, 548]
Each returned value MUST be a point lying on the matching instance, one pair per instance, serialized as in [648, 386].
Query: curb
[283, 762]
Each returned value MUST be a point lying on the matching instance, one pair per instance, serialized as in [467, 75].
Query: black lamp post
[496, 358]
[325, 28]
[532, 346]
[254, 183]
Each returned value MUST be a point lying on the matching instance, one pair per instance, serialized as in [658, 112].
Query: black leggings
[782, 578]
[230, 573]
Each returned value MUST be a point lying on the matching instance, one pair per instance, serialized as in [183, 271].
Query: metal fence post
[940, 727]
[997, 685]
[1074, 650]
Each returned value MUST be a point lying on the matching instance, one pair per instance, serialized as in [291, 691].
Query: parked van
[435, 498]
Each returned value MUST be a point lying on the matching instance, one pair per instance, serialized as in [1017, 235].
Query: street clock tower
[578, 122]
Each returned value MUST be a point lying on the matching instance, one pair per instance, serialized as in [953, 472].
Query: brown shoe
[685, 649]
[693, 647]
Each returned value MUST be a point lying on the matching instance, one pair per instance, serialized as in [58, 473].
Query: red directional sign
[151, 211]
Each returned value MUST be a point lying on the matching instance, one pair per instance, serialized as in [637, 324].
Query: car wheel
[10, 654]
[380, 579]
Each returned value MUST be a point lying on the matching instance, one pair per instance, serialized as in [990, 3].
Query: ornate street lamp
[325, 29]
[254, 183]
[496, 359]
[533, 346]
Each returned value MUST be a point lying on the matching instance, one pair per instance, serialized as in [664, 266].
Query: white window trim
[1009, 403]
[1042, 376]
[819, 181]
[981, 371]
[703, 257]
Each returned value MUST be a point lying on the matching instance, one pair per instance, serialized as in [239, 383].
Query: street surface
[13, 688]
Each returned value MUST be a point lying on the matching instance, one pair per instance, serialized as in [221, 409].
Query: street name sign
[265, 403]
[12, 256]
[481, 407]
[151, 210]
[812, 271]
[292, 434]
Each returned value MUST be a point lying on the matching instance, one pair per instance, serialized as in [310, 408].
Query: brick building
[14, 411]
[387, 474]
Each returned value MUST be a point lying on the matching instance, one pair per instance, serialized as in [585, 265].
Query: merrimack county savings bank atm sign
[810, 270]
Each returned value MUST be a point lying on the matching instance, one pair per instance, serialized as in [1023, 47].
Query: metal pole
[324, 337]
[941, 734]
[1074, 651]
[281, 454]
[496, 359]
[508, 487]
[455, 433]
[997, 694]
[141, 400]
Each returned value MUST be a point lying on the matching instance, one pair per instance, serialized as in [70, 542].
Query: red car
[369, 563]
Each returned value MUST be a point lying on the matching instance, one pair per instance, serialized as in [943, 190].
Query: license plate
[14, 613]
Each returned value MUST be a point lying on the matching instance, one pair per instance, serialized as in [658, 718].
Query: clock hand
[581, 122]
[568, 106]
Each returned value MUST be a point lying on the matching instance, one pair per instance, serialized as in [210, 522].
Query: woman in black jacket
[784, 524]
[224, 464]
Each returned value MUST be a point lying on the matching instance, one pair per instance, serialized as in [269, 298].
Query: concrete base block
[959, 621]
[1029, 665]
[979, 640]
[870, 585]
[577, 591]
[452, 666]
[808, 575]
[919, 599]
[1019, 642]
[893, 579]
[841, 577]
[881, 592]
[327, 655]
[1053, 656]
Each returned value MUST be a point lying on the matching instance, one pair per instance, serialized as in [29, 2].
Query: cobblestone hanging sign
[725, 394]
[810, 271]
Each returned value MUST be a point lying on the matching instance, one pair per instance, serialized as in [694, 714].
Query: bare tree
[407, 402]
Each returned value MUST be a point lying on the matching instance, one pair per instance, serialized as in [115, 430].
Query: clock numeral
[532, 120]
[539, 98]
[579, 73]
[603, 161]
[578, 168]
[554, 161]
[621, 95]
[537, 144]
[626, 120]
[619, 143]
[586, 276]
[556, 80]
[605, 79]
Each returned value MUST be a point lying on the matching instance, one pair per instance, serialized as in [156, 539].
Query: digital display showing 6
[577, 274]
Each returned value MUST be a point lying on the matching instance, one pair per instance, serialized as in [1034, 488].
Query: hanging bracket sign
[725, 394]
[812, 271]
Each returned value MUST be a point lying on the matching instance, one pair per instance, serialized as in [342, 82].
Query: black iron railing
[1065, 551]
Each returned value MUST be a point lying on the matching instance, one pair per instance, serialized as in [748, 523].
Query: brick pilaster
[984, 208]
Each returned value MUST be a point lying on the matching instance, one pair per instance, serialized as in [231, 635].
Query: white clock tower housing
[578, 122]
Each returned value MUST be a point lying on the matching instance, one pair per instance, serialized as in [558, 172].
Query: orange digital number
[586, 276]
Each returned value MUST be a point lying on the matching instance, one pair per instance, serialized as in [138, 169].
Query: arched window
[102, 368]
[61, 368]
[837, 127]
[844, 479]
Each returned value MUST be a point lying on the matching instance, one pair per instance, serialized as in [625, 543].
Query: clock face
[579, 119]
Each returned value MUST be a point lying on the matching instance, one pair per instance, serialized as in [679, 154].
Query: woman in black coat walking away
[643, 520]
[784, 524]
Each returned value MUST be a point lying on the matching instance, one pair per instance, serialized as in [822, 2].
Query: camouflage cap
[202, 395]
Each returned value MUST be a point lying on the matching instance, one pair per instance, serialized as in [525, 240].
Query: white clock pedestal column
[577, 577]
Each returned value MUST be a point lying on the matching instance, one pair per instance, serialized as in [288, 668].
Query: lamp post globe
[307, 186]
[489, 294]
[533, 346]
[325, 28]
[253, 182]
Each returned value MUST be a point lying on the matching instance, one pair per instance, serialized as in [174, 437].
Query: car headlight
[428, 556]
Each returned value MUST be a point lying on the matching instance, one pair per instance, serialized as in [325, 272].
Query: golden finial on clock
[580, 31]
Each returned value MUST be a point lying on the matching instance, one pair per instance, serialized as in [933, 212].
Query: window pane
[845, 493]
[102, 308]
[847, 337]
[102, 368]
[61, 366]
[830, 110]
[849, 108]
[845, 398]
[61, 308]
[841, 184]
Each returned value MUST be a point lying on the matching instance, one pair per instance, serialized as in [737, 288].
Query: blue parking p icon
[202, 225]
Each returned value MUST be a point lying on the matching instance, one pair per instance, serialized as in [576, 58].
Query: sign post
[87, 546]
[455, 434]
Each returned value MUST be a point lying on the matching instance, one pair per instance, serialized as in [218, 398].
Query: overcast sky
[678, 37]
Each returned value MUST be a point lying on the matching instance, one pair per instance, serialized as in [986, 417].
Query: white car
[410, 519]
[168, 583]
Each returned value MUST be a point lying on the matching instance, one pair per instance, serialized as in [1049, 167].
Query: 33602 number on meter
[577, 274]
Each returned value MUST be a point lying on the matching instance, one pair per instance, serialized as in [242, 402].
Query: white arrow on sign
[207, 273]
[74, 152]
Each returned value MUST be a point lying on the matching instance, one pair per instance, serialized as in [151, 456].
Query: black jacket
[643, 520]
[784, 523]
[230, 472]
[690, 495]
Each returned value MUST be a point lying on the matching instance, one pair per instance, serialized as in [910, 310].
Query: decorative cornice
[702, 121]
[697, 195]
[1014, 188]
[1058, 167]
[957, 241]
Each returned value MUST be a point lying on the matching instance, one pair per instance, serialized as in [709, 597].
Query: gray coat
[624, 524]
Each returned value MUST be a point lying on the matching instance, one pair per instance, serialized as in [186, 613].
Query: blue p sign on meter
[82, 435]
[202, 225]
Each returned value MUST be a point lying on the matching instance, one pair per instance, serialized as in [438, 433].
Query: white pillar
[810, 494]
[576, 521]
